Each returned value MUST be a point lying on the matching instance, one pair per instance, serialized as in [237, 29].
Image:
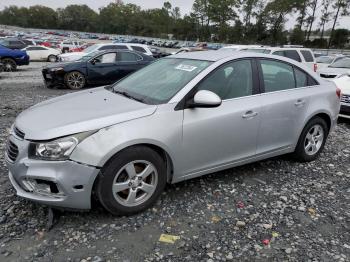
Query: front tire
[74, 80]
[9, 64]
[312, 140]
[132, 181]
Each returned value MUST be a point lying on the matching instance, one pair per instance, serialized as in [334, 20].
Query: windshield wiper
[123, 93]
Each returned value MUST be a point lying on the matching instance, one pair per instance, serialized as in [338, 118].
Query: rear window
[307, 56]
[139, 48]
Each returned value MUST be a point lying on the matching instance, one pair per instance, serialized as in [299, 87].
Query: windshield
[90, 49]
[324, 59]
[160, 81]
[343, 63]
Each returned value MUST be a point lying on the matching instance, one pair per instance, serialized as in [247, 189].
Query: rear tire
[9, 64]
[132, 181]
[312, 140]
[75, 80]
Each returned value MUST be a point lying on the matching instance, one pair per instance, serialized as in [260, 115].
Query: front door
[214, 137]
[103, 69]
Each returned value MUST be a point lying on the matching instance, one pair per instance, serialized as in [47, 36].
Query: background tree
[341, 9]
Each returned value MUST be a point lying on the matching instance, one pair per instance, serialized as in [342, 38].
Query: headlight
[56, 69]
[59, 149]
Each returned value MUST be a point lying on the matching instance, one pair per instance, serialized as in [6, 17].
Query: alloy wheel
[314, 140]
[9, 65]
[135, 183]
[75, 80]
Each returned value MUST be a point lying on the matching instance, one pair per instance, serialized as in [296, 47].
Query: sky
[185, 7]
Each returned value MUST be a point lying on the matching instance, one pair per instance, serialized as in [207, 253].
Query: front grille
[18, 133]
[344, 110]
[345, 99]
[11, 151]
[327, 76]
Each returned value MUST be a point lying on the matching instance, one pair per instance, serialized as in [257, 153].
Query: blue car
[13, 58]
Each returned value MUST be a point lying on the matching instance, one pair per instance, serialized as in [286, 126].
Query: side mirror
[206, 99]
[93, 61]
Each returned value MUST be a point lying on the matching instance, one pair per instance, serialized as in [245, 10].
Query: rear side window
[277, 76]
[139, 49]
[300, 78]
[128, 57]
[307, 56]
[292, 54]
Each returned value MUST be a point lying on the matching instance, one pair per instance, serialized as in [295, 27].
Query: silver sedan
[181, 117]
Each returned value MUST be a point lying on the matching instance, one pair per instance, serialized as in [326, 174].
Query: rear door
[128, 62]
[103, 69]
[284, 100]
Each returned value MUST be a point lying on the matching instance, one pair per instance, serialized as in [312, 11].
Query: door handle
[299, 102]
[250, 114]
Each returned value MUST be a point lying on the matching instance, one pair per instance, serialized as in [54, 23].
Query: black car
[95, 69]
[13, 43]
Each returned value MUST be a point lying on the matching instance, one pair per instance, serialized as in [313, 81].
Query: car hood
[78, 112]
[334, 71]
[62, 64]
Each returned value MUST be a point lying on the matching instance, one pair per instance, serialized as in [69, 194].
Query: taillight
[338, 92]
[315, 67]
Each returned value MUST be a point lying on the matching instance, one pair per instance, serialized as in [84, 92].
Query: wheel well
[163, 154]
[326, 118]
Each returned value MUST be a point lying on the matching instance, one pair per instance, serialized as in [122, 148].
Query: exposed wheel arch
[162, 152]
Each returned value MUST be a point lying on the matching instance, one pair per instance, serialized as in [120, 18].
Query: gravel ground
[274, 210]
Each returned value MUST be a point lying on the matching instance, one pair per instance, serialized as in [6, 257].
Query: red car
[81, 48]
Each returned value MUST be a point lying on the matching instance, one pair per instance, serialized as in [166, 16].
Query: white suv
[302, 55]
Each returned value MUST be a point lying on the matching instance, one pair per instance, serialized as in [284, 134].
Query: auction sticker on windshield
[187, 68]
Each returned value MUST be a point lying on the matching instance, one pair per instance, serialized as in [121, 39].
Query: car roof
[219, 55]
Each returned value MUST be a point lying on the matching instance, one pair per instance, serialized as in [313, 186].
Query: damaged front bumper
[65, 184]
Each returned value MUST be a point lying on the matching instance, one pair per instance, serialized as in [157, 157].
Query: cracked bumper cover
[73, 180]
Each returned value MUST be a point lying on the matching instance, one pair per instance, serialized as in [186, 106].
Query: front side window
[232, 80]
[277, 76]
[158, 82]
[106, 58]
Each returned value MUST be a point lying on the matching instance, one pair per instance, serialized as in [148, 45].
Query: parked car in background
[302, 55]
[42, 53]
[68, 57]
[81, 48]
[135, 47]
[123, 143]
[324, 61]
[157, 53]
[67, 45]
[96, 68]
[343, 83]
[337, 69]
[13, 58]
[13, 43]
